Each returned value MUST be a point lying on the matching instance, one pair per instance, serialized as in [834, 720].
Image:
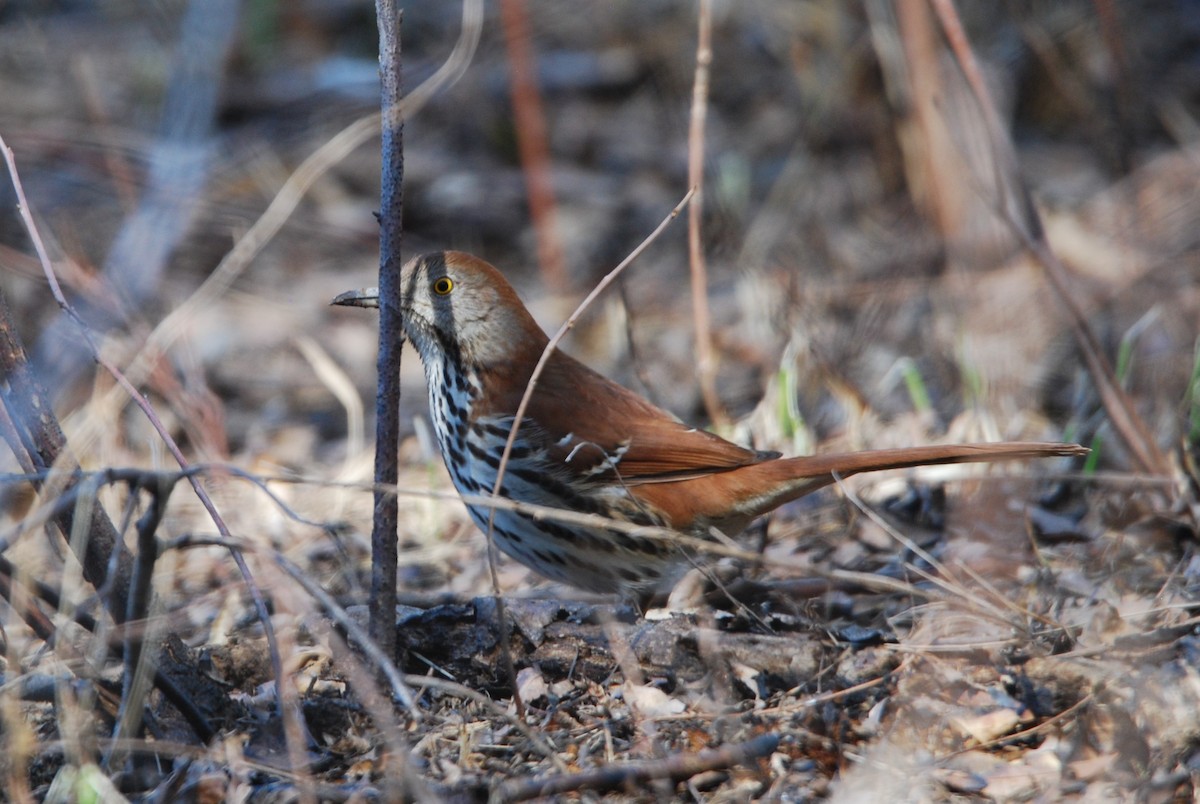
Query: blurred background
[205, 177]
[845, 241]
[864, 290]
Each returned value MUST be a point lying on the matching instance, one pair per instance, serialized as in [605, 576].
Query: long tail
[791, 478]
[850, 463]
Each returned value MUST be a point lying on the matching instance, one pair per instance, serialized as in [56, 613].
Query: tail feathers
[729, 500]
[791, 478]
[851, 463]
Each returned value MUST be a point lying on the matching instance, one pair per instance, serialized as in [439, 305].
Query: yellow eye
[443, 285]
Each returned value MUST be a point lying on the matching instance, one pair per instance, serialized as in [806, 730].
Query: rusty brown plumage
[588, 444]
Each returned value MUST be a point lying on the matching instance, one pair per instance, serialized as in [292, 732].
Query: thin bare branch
[384, 547]
[673, 769]
[706, 361]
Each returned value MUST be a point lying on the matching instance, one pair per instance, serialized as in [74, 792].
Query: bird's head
[453, 302]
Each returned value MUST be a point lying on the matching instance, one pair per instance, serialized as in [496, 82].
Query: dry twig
[706, 362]
[673, 769]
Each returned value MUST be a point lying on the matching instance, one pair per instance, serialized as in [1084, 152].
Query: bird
[589, 445]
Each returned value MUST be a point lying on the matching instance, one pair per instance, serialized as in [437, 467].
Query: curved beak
[364, 297]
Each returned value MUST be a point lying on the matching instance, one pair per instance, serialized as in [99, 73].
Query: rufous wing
[597, 427]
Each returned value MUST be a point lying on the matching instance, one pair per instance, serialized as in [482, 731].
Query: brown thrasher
[589, 445]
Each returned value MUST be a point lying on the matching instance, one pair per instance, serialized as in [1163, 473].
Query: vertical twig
[140, 666]
[384, 557]
[531, 140]
[706, 364]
